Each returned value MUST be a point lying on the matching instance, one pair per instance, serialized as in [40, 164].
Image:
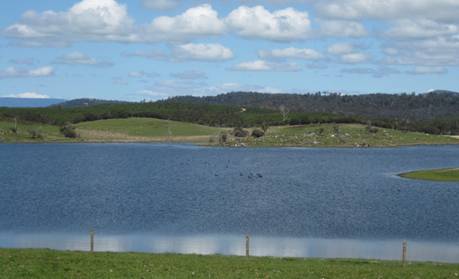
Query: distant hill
[87, 103]
[431, 105]
[28, 103]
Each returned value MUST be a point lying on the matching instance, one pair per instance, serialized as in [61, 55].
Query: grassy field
[346, 135]
[145, 129]
[447, 175]
[155, 130]
[29, 132]
[53, 264]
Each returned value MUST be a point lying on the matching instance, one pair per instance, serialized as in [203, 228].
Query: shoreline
[161, 142]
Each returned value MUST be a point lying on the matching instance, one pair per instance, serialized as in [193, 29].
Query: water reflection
[235, 245]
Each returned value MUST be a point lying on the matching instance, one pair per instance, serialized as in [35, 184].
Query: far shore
[150, 130]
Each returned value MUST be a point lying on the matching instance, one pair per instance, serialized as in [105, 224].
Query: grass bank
[145, 130]
[30, 132]
[54, 264]
[445, 175]
[156, 130]
[343, 135]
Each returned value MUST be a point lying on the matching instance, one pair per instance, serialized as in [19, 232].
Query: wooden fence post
[247, 246]
[404, 252]
[91, 238]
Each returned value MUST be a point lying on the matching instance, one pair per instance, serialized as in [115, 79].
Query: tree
[284, 111]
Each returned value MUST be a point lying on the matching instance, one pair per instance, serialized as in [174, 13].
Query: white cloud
[347, 53]
[202, 20]
[152, 54]
[205, 52]
[29, 95]
[375, 72]
[78, 58]
[440, 51]
[281, 25]
[107, 20]
[341, 48]
[262, 66]
[426, 70]
[13, 72]
[86, 20]
[354, 58]
[160, 4]
[342, 28]
[142, 74]
[389, 9]
[291, 52]
[190, 75]
[421, 28]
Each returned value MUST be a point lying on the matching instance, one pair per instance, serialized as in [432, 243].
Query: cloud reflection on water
[235, 245]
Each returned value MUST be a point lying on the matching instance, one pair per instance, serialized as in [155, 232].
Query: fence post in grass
[404, 252]
[91, 240]
[247, 245]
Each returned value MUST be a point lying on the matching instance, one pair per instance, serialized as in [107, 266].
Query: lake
[298, 202]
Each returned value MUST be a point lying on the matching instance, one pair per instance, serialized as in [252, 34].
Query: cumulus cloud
[347, 53]
[151, 54]
[88, 20]
[263, 66]
[426, 70]
[204, 52]
[281, 25]
[29, 95]
[160, 4]
[389, 9]
[142, 74]
[421, 28]
[440, 51]
[291, 52]
[354, 58]
[375, 72]
[78, 58]
[342, 28]
[202, 20]
[190, 75]
[13, 72]
[107, 20]
[341, 48]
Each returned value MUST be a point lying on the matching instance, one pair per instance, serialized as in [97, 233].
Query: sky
[154, 49]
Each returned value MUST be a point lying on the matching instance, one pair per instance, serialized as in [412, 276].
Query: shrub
[240, 133]
[257, 133]
[69, 131]
[35, 134]
[265, 127]
[223, 138]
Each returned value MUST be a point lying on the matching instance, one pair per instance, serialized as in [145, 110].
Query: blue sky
[154, 49]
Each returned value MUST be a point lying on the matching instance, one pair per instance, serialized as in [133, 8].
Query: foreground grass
[346, 135]
[53, 264]
[447, 175]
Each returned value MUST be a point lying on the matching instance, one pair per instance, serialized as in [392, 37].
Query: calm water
[178, 198]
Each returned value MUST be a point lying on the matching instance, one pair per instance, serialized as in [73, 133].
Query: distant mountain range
[87, 103]
[28, 103]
